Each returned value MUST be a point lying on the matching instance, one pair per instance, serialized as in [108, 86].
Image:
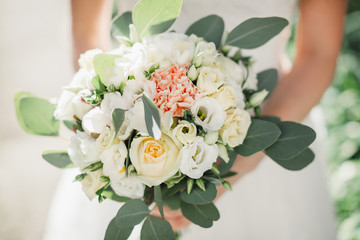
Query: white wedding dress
[269, 203]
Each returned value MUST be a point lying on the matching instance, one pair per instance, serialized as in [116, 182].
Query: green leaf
[211, 28]
[69, 124]
[131, 213]
[267, 80]
[294, 139]
[261, 134]
[255, 32]
[120, 26]
[118, 116]
[58, 158]
[158, 199]
[155, 16]
[273, 119]
[176, 188]
[98, 85]
[225, 167]
[198, 196]
[102, 62]
[152, 118]
[173, 202]
[228, 174]
[113, 232]
[202, 215]
[155, 228]
[36, 115]
[110, 194]
[213, 180]
[298, 162]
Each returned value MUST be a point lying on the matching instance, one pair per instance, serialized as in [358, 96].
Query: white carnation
[92, 183]
[113, 159]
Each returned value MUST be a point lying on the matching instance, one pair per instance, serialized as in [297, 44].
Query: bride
[267, 202]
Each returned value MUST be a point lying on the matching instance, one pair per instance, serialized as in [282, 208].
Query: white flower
[196, 158]
[231, 69]
[208, 114]
[192, 73]
[128, 186]
[86, 59]
[82, 150]
[155, 161]
[205, 54]
[236, 125]
[92, 183]
[114, 100]
[185, 132]
[105, 139]
[113, 159]
[71, 104]
[211, 137]
[210, 79]
[252, 81]
[95, 121]
[81, 80]
[227, 97]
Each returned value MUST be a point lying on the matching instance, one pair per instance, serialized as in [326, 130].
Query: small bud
[192, 73]
[227, 185]
[225, 50]
[95, 166]
[198, 59]
[134, 37]
[257, 98]
[153, 68]
[189, 185]
[124, 40]
[147, 75]
[111, 88]
[200, 183]
[80, 177]
[215, 170]
[131, 77]
[237, 56]
[122, 86]
[104, 179]
[211, 137]
[223, 153]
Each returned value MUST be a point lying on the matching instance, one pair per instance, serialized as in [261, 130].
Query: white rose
[236, 125]
[92, 183]
[128, 186]
[82, 150]
[86, 59]
[208, 114]
[113, 159]
[185, 132]
[230, 68]
[198, 157]
[95, 121]
[227, 97]
[205, 54]
[210, 79]
[105, 139]
[155, 161]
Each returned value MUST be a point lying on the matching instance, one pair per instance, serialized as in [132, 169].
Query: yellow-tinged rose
[154, 160]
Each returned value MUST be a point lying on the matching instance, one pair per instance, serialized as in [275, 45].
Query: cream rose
[226, 96]
[185, 132]
[236, 125]
[196, 158]
[210, 79]
[154, 161]
[231, 69]
[92, 183]
[105, 139]
[208, 114]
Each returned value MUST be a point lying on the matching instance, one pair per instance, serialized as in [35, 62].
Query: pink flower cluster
[174, 90]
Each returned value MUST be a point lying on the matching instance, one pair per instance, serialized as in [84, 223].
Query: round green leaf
[155, 228]
[155, 16]
[198, 196]
[294, 139]
[211, 28]
[113, 232]
[131, 213]
[173, 202]
[202, 215]
[36, 116]
[152, 118]
[120, 26]
[102, 62]
[261, 134]
[267, 80]
[298, 162]
[58, 158]
[255, 32]
[225, 167]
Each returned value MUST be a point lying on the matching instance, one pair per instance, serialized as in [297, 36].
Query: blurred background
[41, 64]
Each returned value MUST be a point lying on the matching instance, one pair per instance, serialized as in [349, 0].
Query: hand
[175, 218]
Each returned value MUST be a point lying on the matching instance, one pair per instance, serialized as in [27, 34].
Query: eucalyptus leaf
[98, 85]
[118, 116]
[36, 115]
[198, 196]
[166, 192]
[294, 139]
[267, 80]
[113, 232]
[155, 228]
[102, 63]
[255, 32]
[225, 167]
[152, 118]
[211, 28]
[273, 119]
[69, 124]
[58, 158]
[173, 202]
[158, 200]
[155, 16]
[202, 215]
[17, 97]
[261, 134]
[298, 162]
[131, 213]
[120, 26]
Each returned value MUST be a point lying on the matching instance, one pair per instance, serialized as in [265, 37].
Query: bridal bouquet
[151, 117]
